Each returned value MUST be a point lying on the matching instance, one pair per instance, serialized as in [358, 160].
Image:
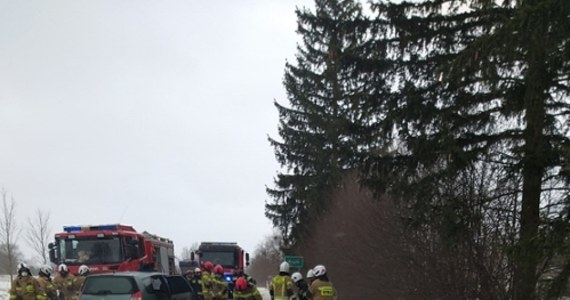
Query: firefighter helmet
[310, 274]
[47, 270]
[83, 270]
[23, 270]
[241, 284]
[296, 276]
[284, 267]
[208, 265]
[218, 269]
[63, 268]
[319, 270]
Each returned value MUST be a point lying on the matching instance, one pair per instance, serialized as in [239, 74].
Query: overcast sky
[148, 113]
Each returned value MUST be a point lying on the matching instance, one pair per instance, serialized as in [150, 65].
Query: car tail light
[136, 295]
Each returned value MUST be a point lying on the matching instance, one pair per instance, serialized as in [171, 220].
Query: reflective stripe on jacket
[251, 293]
[322, 290]
[26, 288]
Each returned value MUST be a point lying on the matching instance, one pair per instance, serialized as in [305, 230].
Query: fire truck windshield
[90, 250]
[226, 259]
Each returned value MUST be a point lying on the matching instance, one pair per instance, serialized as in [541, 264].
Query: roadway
[265, 293]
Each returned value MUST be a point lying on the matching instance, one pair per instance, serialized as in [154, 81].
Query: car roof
[129, 273]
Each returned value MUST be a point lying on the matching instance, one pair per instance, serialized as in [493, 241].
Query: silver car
[135, 286]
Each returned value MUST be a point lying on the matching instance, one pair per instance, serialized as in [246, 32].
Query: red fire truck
[115, 247]
[229, 255]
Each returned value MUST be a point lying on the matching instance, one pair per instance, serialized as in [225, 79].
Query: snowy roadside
[264, 293]
[4, 287]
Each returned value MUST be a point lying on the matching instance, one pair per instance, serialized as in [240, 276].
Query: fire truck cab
[115, 247]
[229, 255]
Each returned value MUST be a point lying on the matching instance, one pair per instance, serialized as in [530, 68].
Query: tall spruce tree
[323, 95]
[476, 81]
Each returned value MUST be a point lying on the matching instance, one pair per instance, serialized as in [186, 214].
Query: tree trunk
[534, 161]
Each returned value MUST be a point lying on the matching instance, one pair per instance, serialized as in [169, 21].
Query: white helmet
[310, 273]
[23, 270]
[197, 270]
[63, 268]
[296, 276]
[284, 267]
[319, 270]
[47, 270]
[83, 270]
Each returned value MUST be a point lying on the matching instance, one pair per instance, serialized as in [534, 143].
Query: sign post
[294, 261]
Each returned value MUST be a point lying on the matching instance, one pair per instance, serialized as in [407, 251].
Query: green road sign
[294, 261]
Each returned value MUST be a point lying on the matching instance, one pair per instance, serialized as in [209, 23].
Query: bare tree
[362, 242]
[8, 233]
[266, 258]
[4, 268]
[187, 251]
[373, 249]
[38, 235]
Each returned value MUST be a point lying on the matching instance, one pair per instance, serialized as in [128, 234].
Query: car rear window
[107, 285]
[155, 284]
[179, 285]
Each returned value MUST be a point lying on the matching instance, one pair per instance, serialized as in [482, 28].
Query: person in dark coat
[302, 286]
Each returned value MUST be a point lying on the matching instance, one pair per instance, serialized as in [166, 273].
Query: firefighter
[44, 279]
[79, 280]
[322, 288]
[196, 283]
[65, 282]
[189, 274]
[281, 285]
[244, 290]
[207, 278]
[219, 284]
[302, 287]
[310, 277]
[238, 272]
[25, 286]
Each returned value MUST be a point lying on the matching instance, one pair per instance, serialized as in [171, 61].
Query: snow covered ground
[5, 287]
[264, 292]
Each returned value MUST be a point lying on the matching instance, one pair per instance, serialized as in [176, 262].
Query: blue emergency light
[87, 228]
[72, 228]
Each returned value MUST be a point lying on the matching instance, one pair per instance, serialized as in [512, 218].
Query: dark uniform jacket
[196, 284]
[303, 290]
